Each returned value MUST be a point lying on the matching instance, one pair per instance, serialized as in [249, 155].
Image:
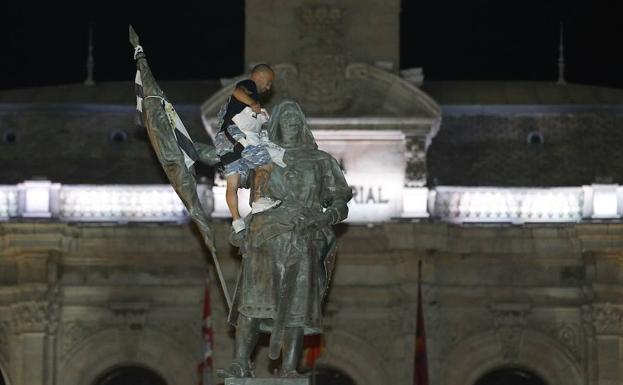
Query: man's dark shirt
[235, 106]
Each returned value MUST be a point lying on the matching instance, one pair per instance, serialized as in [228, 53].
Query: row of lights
[120, 202]
[160, 203]
[8, 202]
[514, 205]
[522, 205]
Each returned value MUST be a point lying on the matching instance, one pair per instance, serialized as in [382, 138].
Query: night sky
[452, 40]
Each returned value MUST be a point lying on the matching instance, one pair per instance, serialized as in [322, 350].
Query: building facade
[506, 192]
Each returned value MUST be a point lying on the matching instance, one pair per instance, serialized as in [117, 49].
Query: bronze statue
[288, 251]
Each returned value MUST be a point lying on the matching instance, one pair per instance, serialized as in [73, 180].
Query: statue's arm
[207, 153]
[336, 193]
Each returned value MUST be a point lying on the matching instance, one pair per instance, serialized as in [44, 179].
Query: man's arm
[241, 95]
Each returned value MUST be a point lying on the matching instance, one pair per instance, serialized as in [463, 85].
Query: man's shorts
[251, 158]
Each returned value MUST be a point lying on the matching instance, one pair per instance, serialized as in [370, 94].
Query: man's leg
[259, 194]
[260, 181]
[231, 195]
[292, 349]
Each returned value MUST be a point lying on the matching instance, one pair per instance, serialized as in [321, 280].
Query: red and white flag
[206, 366]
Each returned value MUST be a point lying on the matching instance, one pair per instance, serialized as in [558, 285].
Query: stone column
[34, 325]
[28, 356]
[608, 349]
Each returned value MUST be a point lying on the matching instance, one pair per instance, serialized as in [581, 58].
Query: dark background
[452, 40]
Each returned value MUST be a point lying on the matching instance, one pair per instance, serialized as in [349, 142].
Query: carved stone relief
[29, 316]
[321, 59]
[510, 322]
[76, 332]
[608, 319]
[4, 338]
[130, 315]
[130, 319]
[416, 161]
[569, 335]
[37, 315]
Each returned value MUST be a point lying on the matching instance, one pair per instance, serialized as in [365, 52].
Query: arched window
[510, 376]
[118, 136]
[9, 137]
[326, 375]
[535, 138]
[129, 375]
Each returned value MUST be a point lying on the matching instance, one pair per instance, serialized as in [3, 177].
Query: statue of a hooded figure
[288, 251]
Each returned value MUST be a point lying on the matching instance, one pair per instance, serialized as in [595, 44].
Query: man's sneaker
[238, 225]
[263, 204]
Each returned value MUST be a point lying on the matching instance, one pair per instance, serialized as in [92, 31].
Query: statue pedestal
[268, 381]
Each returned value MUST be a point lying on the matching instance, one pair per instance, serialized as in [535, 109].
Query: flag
[179, 131]
[173, 146]
[420, 373]
[313, 346]
[206, 367]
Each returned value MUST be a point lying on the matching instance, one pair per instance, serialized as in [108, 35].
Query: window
[510, 376]
[535, 138]
[129, 375]
[330, 376]
[9, 137]
[118, 136]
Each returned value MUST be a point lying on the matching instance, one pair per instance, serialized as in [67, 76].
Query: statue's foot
[292, 373]
[236, 369]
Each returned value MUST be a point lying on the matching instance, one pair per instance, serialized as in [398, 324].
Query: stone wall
[359, 31]
[76, 300]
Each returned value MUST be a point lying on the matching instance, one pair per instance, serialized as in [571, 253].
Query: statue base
[268, 381]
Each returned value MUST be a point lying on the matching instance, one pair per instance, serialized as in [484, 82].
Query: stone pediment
[360, 91]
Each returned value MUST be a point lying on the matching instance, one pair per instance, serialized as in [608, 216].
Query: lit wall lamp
[38, 198]
[602, 201]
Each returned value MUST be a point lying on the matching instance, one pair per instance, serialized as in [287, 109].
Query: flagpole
[162, 124]
[420, 370]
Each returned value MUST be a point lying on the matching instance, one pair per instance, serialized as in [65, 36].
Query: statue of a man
[288, 251]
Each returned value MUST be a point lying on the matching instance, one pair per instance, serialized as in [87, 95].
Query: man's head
[263, 77]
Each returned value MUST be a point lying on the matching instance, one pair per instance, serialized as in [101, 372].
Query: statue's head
[288, 127]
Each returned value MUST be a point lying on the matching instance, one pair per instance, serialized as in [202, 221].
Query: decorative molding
[131, 315]
[53, 298]
[4, 338]
[321, 59]
[76, 332]
[37, 315]
[608, 320]
[416, 161]
[569, 335]
[29, 316]
[133, 321]
[586, 314]
[509, 322]
[185, 333]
